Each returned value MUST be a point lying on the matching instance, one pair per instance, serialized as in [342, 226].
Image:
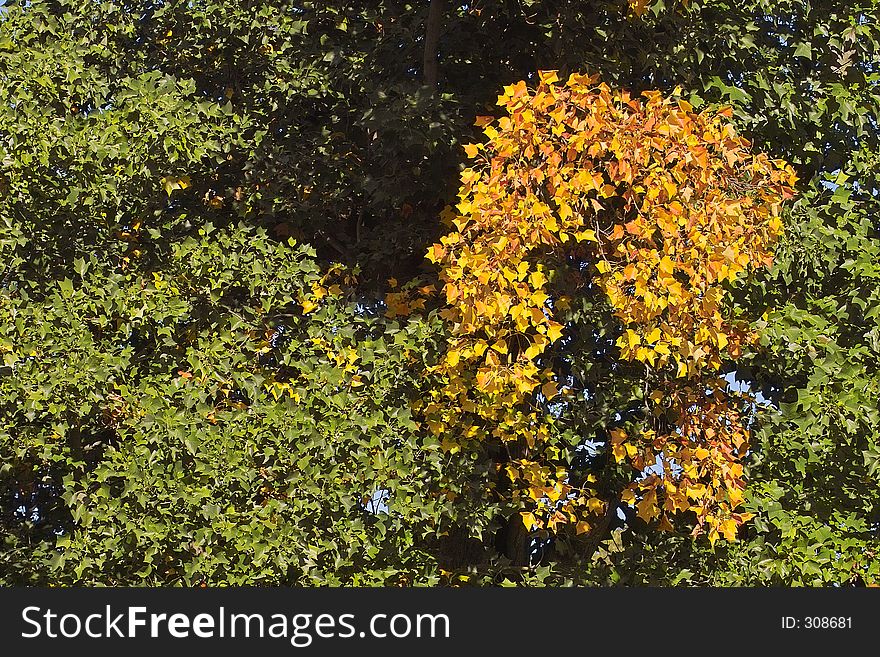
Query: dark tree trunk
[433, 24]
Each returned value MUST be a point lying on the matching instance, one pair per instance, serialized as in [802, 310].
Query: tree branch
[600, 531]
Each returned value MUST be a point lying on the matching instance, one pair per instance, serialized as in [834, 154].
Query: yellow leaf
[538, 298]
[549, 390]
[471, 150]
[533, 351]
[713, 536]
[682, 369]
[554, 331]
[500, 346]
[728, 529]
[452, 357]
[548, 77]
[646, 355]
[632, 338]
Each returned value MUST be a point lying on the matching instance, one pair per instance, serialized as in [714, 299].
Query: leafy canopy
[225, 359]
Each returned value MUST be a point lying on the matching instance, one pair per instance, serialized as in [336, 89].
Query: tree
[680, 207]
[226, 358]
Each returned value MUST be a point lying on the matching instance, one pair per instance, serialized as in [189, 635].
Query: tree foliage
[225, 358]
[679, 207]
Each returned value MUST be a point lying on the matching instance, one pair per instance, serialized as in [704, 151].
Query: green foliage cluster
[180, 182]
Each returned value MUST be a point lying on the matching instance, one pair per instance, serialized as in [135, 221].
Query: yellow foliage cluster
[330, 285]
[407, 299]
[672, 204]
[700, 458]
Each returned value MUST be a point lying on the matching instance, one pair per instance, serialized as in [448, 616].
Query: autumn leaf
[471, 150]
[639, 7]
